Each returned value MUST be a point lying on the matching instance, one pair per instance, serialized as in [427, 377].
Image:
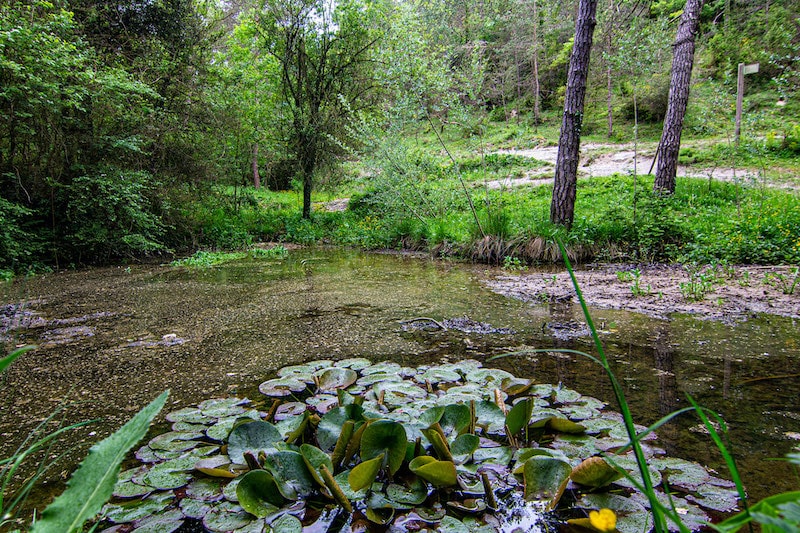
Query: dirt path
[606, 159]
[730, 294]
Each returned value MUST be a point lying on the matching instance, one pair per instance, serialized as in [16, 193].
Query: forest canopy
[130, 129]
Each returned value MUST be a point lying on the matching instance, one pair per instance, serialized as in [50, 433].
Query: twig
[423, 319]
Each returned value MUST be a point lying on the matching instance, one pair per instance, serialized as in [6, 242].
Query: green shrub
[110, 215]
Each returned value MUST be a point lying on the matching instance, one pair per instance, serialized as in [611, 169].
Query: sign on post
[742, 71]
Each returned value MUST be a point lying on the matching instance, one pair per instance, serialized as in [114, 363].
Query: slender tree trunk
[537, 100]
[256, 176]
[562, 207]
[682, 61]
[610, 85]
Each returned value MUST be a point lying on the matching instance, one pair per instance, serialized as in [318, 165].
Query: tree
[562, 207]
[324, 51]
[682, 62]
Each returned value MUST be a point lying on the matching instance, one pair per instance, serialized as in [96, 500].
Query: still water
[111, 339]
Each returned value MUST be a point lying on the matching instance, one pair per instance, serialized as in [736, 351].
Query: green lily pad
[465, 445]
[490, 377]
[342, 479]
[545, 478]
[315, 459]
[413, 494]
[456, 419]
[368, 380]
[519, 416]
[364, 473]
[435, 472]
[196, 509]
[217, 466]
[254, 437]
[287, 524]
[355, 363]
[192, 415]
[516, 386]
[291, 474]
[385, 436]
[632, 516]
[450, 524]
[227, 516]
[258, 493]
[500, 455]
[165, 479]
[490, 417]
[222, 407]
[381, 368]
[335, 378]
[205, 489]
[330, 425]
[594, 472]
[439, 375]
[137, 509]
[130, 489]
[281, 387]
[175, 441]
[163, 523]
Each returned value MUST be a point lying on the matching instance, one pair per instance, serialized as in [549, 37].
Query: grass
[406, 192]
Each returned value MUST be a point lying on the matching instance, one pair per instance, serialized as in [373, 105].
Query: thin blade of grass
[7, 360]
[731, 464]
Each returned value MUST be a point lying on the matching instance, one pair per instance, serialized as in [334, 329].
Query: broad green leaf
[335, 378]
[314, 459]
[93, 483]
[254, 437]
[258, 493]
[431, 416]
[330, 425]
[414, 494]
[519, 416]
[465, 444]
[562, 425]
[545, 478]
[455, 420]
[364, 473]
[594, 472]
[291, 474]
[385, 436]
[287, 524]
[438, 473]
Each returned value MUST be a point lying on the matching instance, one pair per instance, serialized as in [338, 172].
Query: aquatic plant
[91, 484]
[453, 447]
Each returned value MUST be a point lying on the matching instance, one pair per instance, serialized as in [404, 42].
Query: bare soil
[734, 294]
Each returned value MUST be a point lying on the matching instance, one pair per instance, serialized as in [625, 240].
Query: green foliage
[16, 243]
[110, 216]
[92, 484]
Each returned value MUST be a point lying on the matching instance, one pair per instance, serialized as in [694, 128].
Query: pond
[111, 339]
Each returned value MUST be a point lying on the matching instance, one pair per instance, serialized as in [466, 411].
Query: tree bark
[562, 207]
[682, 62]
[256, 176]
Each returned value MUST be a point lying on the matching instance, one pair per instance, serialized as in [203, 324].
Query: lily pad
[227, 516]
[385, 436]
[594, 472]
[217, 466]
[253, 437]
[335, 378]
[258, 493]
[438, 473]
[413, 494]
[545, 478]
[364, 473]
[281, 387]
[287, 524]
[291, 474]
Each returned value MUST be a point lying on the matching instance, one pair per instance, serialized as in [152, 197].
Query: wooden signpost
[743, 71]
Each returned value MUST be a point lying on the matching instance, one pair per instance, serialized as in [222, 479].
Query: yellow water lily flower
[603, 520]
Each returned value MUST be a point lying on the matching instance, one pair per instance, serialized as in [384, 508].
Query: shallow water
[111, 339]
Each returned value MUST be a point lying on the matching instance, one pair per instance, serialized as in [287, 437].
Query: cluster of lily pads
[357, 446]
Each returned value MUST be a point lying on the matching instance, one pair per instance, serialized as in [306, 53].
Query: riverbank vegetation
[134, 131]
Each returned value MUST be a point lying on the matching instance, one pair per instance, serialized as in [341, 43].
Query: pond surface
[111, 339]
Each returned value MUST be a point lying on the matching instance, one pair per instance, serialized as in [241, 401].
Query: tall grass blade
[659, 521]
[92, 484]
[731, 464]
[7, 360]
